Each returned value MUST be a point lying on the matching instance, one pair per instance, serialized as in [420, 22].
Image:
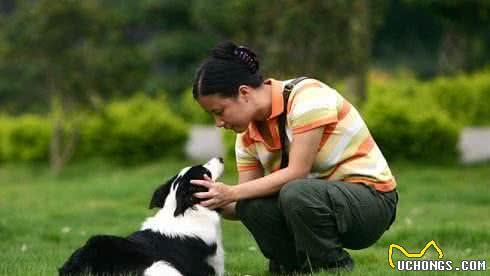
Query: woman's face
[230, 113]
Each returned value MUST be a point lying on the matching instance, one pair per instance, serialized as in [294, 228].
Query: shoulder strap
[282, 119]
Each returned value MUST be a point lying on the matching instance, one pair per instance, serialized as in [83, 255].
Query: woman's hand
[218, 194]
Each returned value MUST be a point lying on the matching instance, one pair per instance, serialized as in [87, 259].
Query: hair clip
[247, 57]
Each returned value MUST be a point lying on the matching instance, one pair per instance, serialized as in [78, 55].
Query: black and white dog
[182, 238]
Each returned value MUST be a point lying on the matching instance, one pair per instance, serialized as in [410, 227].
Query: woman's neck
[264, 103]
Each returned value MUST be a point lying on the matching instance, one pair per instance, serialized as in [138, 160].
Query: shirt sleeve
[312, 107]
[246, 153]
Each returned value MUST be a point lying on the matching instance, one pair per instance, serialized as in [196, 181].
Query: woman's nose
[218, 122]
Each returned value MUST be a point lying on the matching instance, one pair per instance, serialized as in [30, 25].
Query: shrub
[129, 131]
[407, 123]
[94, 131]
[24, 138]
[139, 129]
[464, 97]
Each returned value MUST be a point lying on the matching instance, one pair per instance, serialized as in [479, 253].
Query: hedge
[408, 125]
[422, 120]
[465, 97]
[128, 131]
[24, 138]
[409, 119]
[135, 130]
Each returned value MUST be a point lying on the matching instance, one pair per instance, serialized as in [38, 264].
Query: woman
[337, 190]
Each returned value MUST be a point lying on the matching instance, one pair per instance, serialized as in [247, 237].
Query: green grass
[44, 218]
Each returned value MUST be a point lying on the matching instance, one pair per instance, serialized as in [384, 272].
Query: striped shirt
[347, 151]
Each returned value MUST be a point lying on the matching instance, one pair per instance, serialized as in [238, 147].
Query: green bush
[94, 131]
[409, 119]
[464, 97]
[24, 138]
[139, 129]
[408, 124]
[129, 131]
[192, 112]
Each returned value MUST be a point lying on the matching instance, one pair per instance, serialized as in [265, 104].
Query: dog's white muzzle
[216, 167]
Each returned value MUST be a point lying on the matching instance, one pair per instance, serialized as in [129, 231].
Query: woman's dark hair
[228, 67]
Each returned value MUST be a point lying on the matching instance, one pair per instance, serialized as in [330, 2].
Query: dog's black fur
[112, 255]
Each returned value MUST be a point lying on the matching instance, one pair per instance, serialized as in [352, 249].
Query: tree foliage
[169, 38]
[314, 37]
[323, 39]
[66, 57]
[72, 49]
[435, 36]
[69, 55]
[92, 50]
[466, 37]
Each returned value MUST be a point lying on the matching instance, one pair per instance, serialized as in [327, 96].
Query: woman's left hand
[218, 194]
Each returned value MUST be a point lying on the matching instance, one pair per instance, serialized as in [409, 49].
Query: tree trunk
[355, 87]
[361, 39]
[62, 145]
[359, 84]
[452, 57]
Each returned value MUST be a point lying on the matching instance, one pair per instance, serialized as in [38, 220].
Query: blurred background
[85, 78]
[89, 78]
[97, 95]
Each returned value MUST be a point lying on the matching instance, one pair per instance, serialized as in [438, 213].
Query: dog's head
[179, 191]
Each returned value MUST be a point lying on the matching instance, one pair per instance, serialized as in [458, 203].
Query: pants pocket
[339, 210]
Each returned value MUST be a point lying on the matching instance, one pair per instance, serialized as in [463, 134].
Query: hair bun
[227, 50]
[224, 50]
[247, 57]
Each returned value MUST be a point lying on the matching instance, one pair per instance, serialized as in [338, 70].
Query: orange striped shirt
[347, 150]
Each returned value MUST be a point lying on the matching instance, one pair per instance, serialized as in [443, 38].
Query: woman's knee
[248, 208]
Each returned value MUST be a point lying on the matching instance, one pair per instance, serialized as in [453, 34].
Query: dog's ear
[184, 196]
[182, 205]
[161, 193]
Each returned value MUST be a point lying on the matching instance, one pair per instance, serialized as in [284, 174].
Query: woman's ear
[244, 92]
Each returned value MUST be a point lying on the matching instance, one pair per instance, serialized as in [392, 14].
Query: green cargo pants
[310, 221]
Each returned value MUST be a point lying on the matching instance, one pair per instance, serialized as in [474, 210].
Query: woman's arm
[302, 155]
[250, 175]
[304, 149]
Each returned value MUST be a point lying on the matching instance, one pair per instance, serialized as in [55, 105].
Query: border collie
[182, 238]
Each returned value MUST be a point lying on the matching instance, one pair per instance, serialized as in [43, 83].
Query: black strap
[282, 120]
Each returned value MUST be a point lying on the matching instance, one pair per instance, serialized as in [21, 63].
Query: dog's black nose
[221, 160]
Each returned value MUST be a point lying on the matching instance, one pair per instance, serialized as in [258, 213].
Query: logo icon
[412, 255]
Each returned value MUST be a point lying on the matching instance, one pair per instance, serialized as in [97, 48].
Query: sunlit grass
[44, 218]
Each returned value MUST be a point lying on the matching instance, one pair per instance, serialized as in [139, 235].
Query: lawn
[44, 218]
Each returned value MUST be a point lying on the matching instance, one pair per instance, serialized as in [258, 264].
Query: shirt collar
[277, 107]
[277, 100]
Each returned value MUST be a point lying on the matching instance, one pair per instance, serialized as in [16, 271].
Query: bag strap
[288, 88]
